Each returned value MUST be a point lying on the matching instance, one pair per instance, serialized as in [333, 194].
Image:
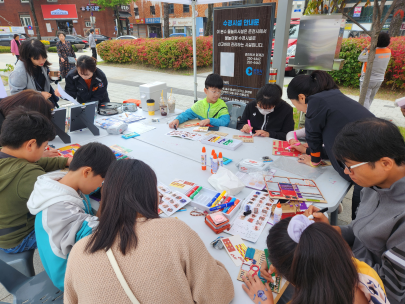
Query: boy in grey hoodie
[62, 207]
[372, 151]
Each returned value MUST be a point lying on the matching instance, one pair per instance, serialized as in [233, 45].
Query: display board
[242, 49]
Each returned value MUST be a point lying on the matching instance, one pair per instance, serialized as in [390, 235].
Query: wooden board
[289, 188]
[189, 124]
[279, 149]
[244, 138]
[217, 133]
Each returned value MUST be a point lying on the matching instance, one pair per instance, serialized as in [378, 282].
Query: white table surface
[175, 158]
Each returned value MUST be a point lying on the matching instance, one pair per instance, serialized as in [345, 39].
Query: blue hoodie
[63, 217]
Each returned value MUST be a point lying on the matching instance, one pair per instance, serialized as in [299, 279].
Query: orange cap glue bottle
[220, 160]
[204, 159]
[214, 167]
[278, 212]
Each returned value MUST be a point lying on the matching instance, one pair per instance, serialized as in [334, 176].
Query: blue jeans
[28, 243]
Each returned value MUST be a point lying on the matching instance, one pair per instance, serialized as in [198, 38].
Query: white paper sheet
[67, 96]
[3, 93]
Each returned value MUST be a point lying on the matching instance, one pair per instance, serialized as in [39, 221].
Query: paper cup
[151, 106]
[54, 72]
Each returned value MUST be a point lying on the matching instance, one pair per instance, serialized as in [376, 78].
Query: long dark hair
[32, 48]
[130, 188]
[320, 266]
[308, 85]
[31, 100]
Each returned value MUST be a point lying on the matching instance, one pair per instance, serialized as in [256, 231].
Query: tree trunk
[305, 6]
[119, 26]
[208, 28]
[166, 19]
[35, 19]
[396, 22]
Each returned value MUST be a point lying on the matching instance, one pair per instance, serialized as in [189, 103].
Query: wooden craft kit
[244, 138]
[221, 142]
[280, 149]
[69, 151]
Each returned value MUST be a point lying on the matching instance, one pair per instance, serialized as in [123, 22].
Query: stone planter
[47, 46]
[80, 47]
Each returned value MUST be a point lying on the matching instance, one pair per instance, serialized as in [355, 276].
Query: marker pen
[204, 159]
[221, 206]
[191, 191]
[232, 201]
[213, 200]
[196, 192]
[250, 127]
[234, 206]
[219, 198]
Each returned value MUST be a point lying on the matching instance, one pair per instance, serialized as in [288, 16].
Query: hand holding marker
[311, 217]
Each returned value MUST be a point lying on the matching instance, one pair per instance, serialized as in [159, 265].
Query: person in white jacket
[62, 207]
[381, 60]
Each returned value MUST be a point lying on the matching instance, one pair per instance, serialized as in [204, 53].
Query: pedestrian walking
[15, 44]
[92, 43]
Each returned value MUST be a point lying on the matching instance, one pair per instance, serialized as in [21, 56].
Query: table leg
[334, 217]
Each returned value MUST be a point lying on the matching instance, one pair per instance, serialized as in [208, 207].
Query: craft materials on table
[217, 222]
[290, 209]
[290, 188]
[120, 152]
[253, 260]
[236, 249]
[201, 129]
[244, 138]
[280, 149]
[221, 142]
[129, 117]
[130, 135]
[252, 180]
[204, 159]
[186, 135]
[69, 151]
[191, 123]
[250, 165]
[226, 160]
[182, 184]
[171, 200]
[253, 217]
[217, 133]
[107, 122]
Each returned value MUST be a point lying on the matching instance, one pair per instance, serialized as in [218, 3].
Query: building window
[171, 8]
[186, 8]
[1, 1]
[136, 11]
[152, 10]
[87, 23]
[25, 1]
[25, 20]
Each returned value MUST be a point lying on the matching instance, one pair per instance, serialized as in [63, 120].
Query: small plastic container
[278, 212]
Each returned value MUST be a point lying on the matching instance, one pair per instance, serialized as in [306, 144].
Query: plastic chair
[23, 262]
[35, 290]
[235, 109]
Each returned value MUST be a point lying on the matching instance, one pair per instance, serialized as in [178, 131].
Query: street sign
[115, 28]
[29, 27]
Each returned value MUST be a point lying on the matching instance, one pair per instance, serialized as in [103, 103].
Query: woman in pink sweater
[15, 44]
[161, 259]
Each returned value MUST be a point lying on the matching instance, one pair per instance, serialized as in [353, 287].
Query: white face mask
[265, 112]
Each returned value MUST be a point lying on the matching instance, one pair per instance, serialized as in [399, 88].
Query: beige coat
[170, 265]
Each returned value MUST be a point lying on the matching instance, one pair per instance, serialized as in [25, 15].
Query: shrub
[5, 49]
[74, 48]
[53, 49]
[46, 42]
[170, 53]
[350, 73]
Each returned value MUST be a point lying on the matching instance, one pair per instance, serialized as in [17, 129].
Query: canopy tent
[193, 3]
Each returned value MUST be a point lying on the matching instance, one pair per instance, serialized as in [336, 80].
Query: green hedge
[351, 48]
[5, 49]
[53, 49]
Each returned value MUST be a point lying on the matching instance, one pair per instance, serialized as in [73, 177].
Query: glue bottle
[277, 213]
[220, 159]
[204, 159]
[214, 167]
[211, 158]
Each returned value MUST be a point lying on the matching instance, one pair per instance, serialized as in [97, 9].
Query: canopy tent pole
[194, 50]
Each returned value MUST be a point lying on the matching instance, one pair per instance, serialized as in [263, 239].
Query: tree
[377, 24]
[166, 19]
[115, 5]
[208, 27]
[35, 19]
[396, 22]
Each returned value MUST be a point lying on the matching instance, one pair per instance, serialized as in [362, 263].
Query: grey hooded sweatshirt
[377, 236]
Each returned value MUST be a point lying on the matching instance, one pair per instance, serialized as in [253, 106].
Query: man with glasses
[212, 110]
[372, 153]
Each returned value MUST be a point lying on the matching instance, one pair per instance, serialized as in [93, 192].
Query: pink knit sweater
[170, 265]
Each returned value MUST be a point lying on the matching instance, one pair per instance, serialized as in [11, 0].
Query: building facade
[72, 17]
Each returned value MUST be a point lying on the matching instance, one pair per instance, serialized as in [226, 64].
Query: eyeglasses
[344, 166]
[219, 92]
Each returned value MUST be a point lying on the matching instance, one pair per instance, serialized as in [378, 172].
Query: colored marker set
[221, 142]
[211, 201]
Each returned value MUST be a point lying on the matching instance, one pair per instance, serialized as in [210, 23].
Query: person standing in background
[15, 44]
[381, 60]
[65, 51]
[92, 44]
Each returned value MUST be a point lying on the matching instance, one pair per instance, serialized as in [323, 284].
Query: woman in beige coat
[162, 259]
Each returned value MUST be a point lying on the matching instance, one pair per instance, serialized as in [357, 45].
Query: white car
[126, 37]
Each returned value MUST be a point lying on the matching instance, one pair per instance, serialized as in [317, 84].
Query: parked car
[5, 38]
[126, 37]
[72, 39]
[101, 38]
[178, 35]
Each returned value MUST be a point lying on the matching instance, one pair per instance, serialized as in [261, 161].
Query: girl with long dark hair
[31, 71]
[317, 261]
[15, 44]
[162, 260]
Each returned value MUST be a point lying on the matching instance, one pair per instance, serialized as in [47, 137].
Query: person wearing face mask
[87, 83]
[269, 115]
[31, 71]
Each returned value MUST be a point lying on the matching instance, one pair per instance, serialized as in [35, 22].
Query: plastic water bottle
[277, 213]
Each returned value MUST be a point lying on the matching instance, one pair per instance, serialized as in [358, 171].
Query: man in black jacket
[269, 115]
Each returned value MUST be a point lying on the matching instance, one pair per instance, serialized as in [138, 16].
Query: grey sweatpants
[372, 89]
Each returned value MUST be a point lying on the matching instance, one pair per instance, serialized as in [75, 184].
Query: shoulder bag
[120, 277]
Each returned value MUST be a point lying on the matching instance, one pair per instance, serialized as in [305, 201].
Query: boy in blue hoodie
[62, 207]
[212, 110]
